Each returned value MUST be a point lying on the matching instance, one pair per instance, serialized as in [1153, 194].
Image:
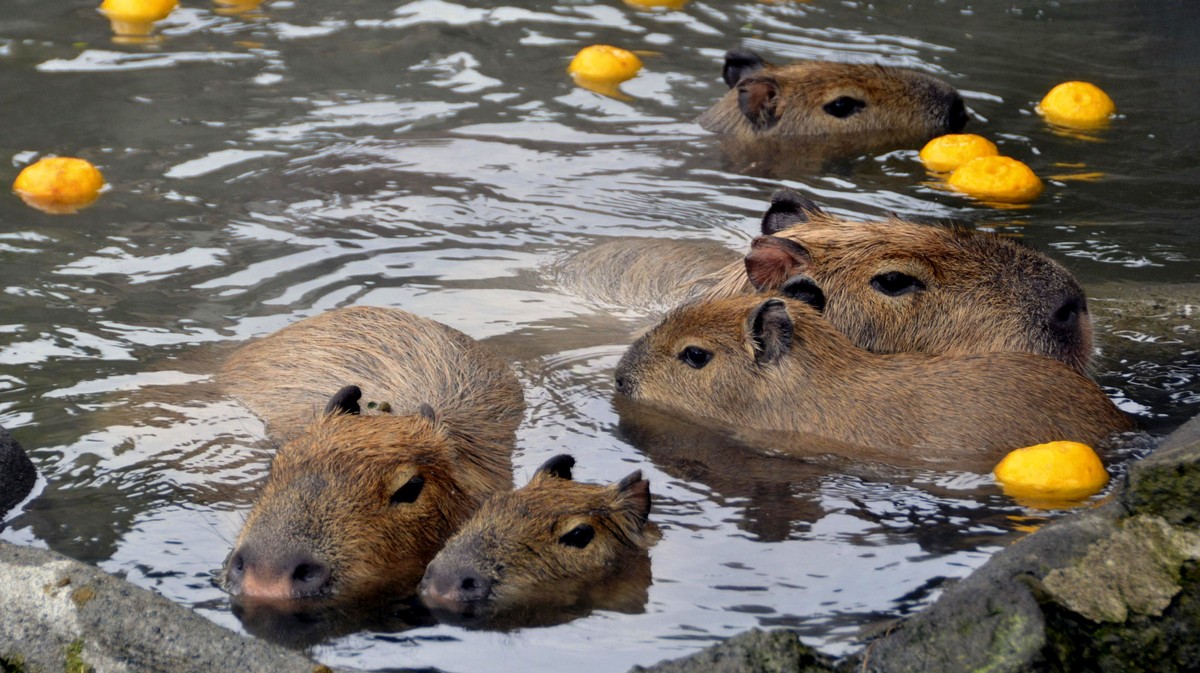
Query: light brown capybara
[890, 286]
[821, 98]
[775, 365]
[360, 501]
[555, 543]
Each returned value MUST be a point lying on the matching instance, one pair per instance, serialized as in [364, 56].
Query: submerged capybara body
[361, 500]
[774, 365]
[552, 543]
[890, 286]
[821, 98]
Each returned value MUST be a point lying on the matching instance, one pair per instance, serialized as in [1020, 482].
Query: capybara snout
[820, 98]
[551, 543]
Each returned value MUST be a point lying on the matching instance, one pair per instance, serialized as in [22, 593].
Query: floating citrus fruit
[602, 67]
[59, 184]
[1056, 471]
[135, 18]
[948, 152]
[1000, 179]
[651, 4]
[1077, 104]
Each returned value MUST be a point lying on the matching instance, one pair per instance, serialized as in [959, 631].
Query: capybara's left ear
[634, 492]
[788, 208]
[558, 466]
[758, 99]
[738, 64]
[802, 288]
[771, 331]
[345, 401]
[772, 260]
[426, 411]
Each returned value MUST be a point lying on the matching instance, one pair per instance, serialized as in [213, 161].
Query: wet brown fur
[514, 540]
[329, 486]
[983, 293]
[903, 106]
[932, 407]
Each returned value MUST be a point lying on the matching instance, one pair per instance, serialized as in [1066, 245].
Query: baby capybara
[359, 501]
[820, 98]
[769, 364]
[890, 286]
[555, 542]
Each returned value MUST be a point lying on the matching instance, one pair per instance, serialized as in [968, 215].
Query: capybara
[361, 500]
[17, 474]
[774, 365]
[820, 98]
[890, 286]
[553, 543]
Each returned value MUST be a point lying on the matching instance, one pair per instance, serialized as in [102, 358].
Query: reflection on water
[272, 164]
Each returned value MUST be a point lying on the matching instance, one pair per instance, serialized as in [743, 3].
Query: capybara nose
[454, 590]
[1066, 318]
[957, 117]
[292, 575]
[622, 383]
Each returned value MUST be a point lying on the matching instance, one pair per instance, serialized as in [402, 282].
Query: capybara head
[895, 286]
[819, 98]
[356, 504]
[551, 543]
[769, 365]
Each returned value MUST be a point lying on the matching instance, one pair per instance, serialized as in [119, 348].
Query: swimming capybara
[775, 365]
[554, 543]
[17, 474]
[820, 98]
[361, 500]
[890, 286]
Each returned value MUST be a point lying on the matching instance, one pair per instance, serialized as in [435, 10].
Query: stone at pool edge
[1005, 617]
[55, 608]
[17, 474]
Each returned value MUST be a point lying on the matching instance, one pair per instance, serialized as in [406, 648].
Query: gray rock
[17, 474]
[61, 614]
[754, 651]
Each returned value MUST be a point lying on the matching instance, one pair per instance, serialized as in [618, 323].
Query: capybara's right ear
[771, 261]
[805, 289]
[635, 493]
[738, 64]
[558, 466]
[788, 209]
[758, 99]
[345, 401]
[771, 331]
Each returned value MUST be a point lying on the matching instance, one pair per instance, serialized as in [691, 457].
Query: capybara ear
[758, 99]
[426, 411]
[738, 64]
[805, 289]
[771, 331]
[635, 494]
[345, 401]
[558, 466]
[771, 261]
[788, 209]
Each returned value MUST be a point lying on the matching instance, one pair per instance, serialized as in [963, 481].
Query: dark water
[432, 156]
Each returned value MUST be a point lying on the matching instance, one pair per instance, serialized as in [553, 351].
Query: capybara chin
[775, 365]
[356, 501]
[553, 543]
[820, 98]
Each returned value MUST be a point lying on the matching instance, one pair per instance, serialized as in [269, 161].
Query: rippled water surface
[273, 164]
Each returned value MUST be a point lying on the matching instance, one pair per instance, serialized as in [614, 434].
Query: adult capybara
[775, 365]
[360, 501]
[17, 474]
[890, 286]
[820, 98]
[555, 543]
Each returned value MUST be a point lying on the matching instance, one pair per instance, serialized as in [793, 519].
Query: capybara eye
[894, 283]
[578, 537]
[695, 357]
[410, 491]
[844, 106]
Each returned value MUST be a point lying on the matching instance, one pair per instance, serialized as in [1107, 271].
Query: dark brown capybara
[890, 286]
[554, 544]
[774, 365]
[360, 501]
[821, 98]
[17, 474]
